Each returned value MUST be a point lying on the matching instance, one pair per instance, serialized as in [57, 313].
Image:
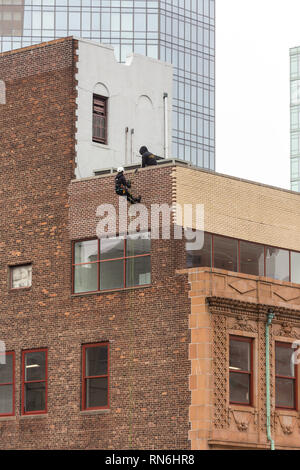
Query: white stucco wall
[135, 91]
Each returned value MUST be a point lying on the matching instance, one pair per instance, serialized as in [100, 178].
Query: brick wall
[241, 209]
[147, 328]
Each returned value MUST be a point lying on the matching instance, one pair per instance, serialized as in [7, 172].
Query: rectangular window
[34, 381]
[111, 263]
[7, 383]
[240, 370]
[295, 267]
[20, 276]
[200, 257]
[99, 119]
[277, 263]
[225, 253]
[95, 379]
[252, 258]
[286, 376]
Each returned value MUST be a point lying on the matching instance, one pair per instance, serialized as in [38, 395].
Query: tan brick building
[119, 344]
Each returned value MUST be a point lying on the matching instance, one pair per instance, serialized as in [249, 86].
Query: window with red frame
[111, 263]
[7, 383]
[95, 380]
[240, 370]
[34, 381]
[286, 377]
[99, 119]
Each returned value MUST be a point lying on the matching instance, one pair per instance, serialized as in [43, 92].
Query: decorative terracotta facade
[224, 304]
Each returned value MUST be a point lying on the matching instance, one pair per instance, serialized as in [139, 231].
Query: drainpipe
[126, 145]
[270, 317]
[166, 125]
[131, 145]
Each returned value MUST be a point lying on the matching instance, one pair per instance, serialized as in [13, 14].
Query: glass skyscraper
[178, 31]
[295, 117]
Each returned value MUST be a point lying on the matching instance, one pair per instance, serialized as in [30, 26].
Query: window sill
[95, 412]
[100, 145]
[8, 418]
[126, 289]
[41, 415]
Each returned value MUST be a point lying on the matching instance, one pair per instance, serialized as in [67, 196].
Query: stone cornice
[233, 307]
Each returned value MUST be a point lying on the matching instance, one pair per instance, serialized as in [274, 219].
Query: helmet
[120, 169]
[143, 150]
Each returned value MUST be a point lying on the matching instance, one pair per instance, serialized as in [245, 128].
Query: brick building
[117, 344]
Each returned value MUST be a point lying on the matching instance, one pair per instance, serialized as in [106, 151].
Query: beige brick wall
[241, 209]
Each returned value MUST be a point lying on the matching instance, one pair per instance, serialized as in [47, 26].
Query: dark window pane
[86, 278]
[239, 388]
[35, 396]
[111, 248]
[96, 392]
[138, 246]
[239, 355]
[225, 253]
[112, 274]
[6, 370]
[35, 365]
[252, 258]
[283, 359]
[201, 257]
[85, 252]
[6, 399]
[285, 393]
[295, 267]
[277, 264]
[96, 360]
[138, 271]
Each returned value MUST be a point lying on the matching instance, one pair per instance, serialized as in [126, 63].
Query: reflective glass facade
[295, 118]
[176, 31]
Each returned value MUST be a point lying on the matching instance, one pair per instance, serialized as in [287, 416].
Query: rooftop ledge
[180, 163]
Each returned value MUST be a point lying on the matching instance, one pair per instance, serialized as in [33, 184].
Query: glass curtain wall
[295, 117]
[176, 31]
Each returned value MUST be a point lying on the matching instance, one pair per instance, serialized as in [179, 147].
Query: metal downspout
[268, 404]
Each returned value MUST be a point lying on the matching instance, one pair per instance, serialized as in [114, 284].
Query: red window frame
[34, 381]
[84, 377]
[99, 261]
[99, 111]
[250, 373]
[295, 378]
[10, 383]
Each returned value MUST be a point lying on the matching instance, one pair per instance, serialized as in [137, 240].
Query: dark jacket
[121, 182]
[148, 158]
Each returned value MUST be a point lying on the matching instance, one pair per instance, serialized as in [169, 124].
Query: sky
[253, 38]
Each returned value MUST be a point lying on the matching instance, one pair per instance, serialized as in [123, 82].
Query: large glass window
[277, 264]
[34, 381]
[95, 379]
[111, 263]
[240, 370]
[252, 258]
[201, 257]
[225, 253]
[286, 379]
[295, 267]
[7, 386]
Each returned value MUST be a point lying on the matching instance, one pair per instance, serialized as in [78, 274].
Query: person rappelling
[148, 158]
[121, 187]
